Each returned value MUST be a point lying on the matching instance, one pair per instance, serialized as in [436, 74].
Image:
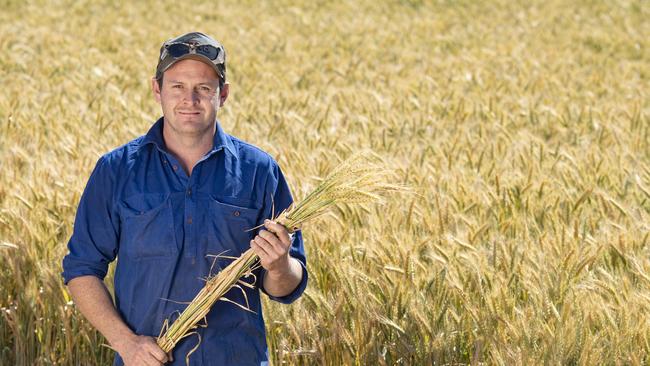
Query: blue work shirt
[140, 207]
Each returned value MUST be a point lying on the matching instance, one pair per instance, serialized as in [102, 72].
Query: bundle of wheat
[360, 179]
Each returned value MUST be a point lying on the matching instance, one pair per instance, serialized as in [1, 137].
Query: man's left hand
[272, 246]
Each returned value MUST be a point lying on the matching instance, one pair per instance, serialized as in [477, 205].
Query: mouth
[189, 113]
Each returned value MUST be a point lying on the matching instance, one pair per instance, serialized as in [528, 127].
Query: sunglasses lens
[208, 51]
[178, 49]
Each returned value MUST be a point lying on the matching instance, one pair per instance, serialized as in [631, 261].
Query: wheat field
[522, 127]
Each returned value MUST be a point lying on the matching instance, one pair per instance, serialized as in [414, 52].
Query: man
[163, 203]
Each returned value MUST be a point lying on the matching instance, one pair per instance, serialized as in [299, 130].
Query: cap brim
[193, 56]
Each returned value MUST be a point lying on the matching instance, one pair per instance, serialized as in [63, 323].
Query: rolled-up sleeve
[282, 199]
[94, 241]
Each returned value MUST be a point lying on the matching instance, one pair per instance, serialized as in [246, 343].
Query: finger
[156, 360]
[279, 230]
[259, 250]
[269, 247]
[149, 360]
[156, 352]
[278, 246]
[170, 356]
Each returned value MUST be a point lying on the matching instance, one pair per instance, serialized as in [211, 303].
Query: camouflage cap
[193, 45]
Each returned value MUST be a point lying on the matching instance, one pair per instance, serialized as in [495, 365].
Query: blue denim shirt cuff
[75, 268]
[295, 294]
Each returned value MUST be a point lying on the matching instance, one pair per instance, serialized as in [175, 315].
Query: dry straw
[362, 178]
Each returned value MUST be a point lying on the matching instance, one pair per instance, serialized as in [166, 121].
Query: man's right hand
[94, 301]
[142, 350]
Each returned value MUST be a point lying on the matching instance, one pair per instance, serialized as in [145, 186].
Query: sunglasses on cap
[180, 49]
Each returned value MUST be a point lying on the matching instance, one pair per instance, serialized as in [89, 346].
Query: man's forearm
[282, 283]
[95, 303]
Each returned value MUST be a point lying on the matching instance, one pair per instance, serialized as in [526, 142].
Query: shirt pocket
[230, 226]
[147, 227]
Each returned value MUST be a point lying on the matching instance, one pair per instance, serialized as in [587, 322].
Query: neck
[188, 149]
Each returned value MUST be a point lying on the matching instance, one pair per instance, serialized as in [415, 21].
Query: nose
[190, 95]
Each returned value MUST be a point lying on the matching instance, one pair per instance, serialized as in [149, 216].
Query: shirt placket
[189, 207]
[190, 214]
[196, 173]
[190, 237]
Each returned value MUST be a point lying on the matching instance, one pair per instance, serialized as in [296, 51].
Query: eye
[177, 86]
[205, 88]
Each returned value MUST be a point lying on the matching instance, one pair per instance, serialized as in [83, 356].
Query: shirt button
[189, 191]
[236, 213]
[164, 162]
[175, 167]
[189, 220]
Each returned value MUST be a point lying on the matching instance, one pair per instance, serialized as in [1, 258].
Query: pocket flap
[234, 211]
[143, 204]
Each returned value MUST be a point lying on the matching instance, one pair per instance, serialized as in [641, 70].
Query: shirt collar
[221, 139]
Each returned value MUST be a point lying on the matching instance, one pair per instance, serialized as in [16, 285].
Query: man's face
[190, 97]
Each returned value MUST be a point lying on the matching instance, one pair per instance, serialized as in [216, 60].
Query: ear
[223, 94]
[156, 89]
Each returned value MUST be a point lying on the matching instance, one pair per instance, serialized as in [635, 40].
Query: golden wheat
[522, 126]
